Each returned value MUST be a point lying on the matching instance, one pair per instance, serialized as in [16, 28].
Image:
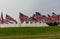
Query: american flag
[23, 18]
[9, 19]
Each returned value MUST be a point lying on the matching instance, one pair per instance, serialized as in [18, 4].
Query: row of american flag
[8, 19]
[37, 17]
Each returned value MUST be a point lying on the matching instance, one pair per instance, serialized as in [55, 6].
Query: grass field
[30, 33]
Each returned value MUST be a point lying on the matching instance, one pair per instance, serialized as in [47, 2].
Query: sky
[29, 7]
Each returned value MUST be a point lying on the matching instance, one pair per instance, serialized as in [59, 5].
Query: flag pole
[19, 20]
[2, 21]
[20, 24]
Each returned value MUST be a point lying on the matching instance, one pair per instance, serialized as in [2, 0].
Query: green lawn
[30, 32]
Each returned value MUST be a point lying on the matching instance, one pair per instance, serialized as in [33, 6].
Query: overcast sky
[28, 7]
